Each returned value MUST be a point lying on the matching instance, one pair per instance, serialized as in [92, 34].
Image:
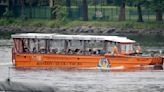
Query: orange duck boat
[77, 51]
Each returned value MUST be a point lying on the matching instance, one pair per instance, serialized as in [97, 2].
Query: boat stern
[157, 61]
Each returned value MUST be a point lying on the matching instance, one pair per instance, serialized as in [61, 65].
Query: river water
[143, 79]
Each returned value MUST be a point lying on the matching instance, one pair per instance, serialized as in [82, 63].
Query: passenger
[98, 51]
[90, 52]
[138, 49]
[101, 52]
[76, 51]
[54, 50]
[34, 50]
[69, 51]
[122, 51]
[26, 50]
[42, 51]
[115, 50]
[94, 53]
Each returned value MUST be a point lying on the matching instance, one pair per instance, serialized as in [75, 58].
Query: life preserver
[103, 63]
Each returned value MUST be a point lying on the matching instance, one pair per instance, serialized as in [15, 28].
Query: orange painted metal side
[57, 61]
[76, 61]
[129, 61]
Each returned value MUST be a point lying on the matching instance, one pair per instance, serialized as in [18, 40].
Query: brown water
[143, 79]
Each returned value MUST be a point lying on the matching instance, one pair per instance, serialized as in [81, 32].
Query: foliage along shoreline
[77, 23]
[6, 31]
[11, 26]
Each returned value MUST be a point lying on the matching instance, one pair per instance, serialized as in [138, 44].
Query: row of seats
[69, 51]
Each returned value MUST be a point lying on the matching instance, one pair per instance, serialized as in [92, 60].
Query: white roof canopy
[73, 37]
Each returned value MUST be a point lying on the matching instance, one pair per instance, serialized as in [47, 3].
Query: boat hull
[77, 61]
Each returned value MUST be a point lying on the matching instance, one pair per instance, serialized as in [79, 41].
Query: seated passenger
[90, 52]
[42, 50]
[26, 50]
[54, 50]
[101, 52]
[138, 49]
[122, 51]
[94, 52]
[69, 51]
[34, 50]
[76, 51]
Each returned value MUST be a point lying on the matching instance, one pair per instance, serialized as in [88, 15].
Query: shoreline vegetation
[71, 23]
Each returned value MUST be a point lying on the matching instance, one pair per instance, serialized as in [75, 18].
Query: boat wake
[119, 67]
[128, 69]
[99, 68]
[112, 69]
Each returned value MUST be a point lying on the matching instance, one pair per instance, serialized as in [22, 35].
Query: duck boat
[78, 51]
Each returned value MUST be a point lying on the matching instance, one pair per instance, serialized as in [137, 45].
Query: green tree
[85, 10]
[108, 2]
[57, 9]
[8, 13]
[121, 4]
[30, 3]
[22, 9]
[138, 4]
[139, 9]
[122, 14]
[69, 10]
[158, 7]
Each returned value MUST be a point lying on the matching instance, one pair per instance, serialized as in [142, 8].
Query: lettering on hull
[59, 63]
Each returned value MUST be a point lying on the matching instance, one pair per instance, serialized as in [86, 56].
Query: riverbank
[74, 23]
[7, 30]
[10, 26]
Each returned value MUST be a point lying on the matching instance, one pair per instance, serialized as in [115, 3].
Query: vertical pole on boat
[50, 45]
[84, 46]
[28, 44]
[47, 45]
[65, 46]
[105, 45]
[38, 45]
